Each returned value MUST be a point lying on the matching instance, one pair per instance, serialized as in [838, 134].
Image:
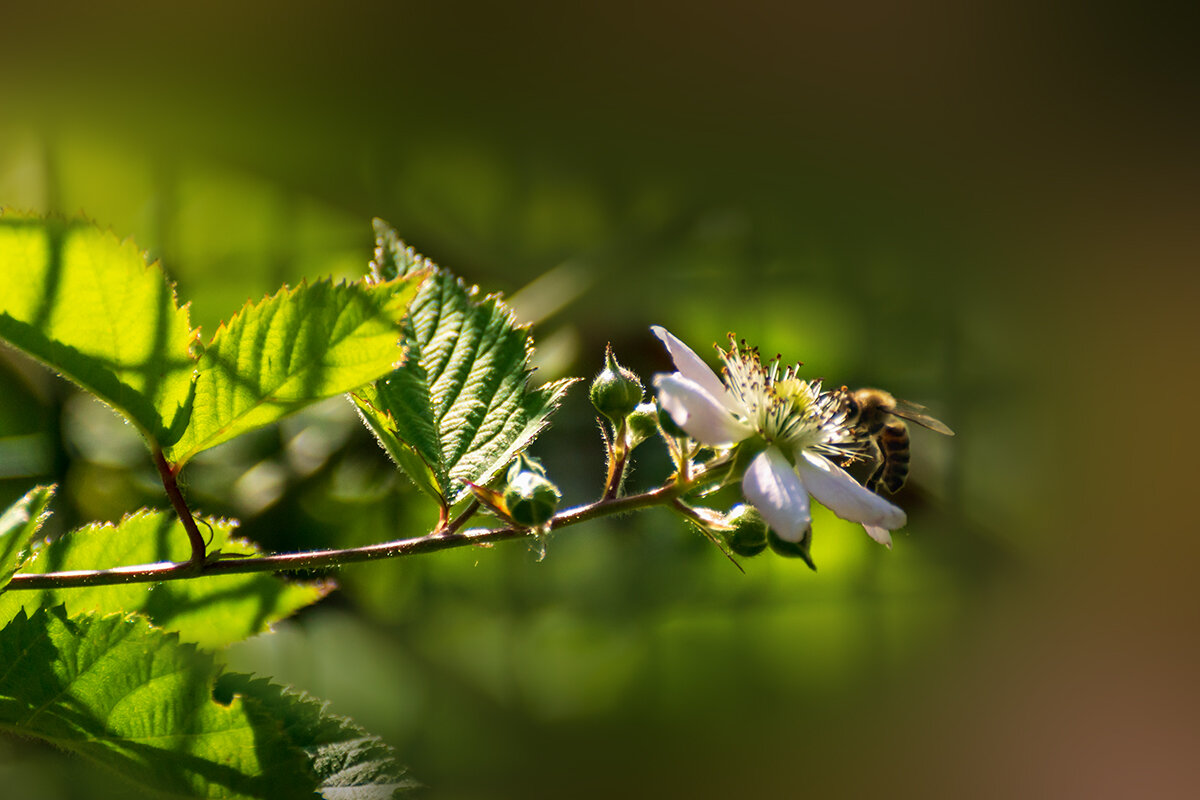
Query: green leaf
[292, 349]
[18, 525]
[461, 402]
[212, 611]
[350, 764]
[89, 307]
[380, 423]
[132, 699]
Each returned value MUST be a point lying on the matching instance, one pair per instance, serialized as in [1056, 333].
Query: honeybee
[877, 419]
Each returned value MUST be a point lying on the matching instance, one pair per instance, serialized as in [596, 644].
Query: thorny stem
[167, 472]
[441, 538]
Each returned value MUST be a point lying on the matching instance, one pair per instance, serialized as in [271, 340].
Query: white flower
[797, 422]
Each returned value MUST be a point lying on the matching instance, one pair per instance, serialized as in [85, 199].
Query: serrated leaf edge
[471, 292]
[415, 280]
[195, 343]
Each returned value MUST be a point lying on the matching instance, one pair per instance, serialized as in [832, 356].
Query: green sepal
[788, 549]
[525, 463]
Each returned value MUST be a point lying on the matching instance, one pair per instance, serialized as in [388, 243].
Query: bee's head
[874, 400]
[851, 408]
[872, 407]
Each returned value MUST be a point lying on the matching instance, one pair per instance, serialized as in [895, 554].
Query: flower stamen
[784, 409]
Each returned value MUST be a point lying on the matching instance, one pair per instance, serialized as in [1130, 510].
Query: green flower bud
[792, 549]
[616, 391]
[642, 424]
[749, 535]
[531, 499]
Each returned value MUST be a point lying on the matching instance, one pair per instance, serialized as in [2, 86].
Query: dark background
[989, 208]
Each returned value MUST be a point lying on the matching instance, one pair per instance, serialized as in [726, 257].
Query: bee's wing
[915, 412]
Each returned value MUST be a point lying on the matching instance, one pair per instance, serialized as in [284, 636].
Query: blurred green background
[987, 208]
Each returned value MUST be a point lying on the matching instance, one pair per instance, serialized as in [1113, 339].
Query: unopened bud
[642, 424]
[531, 500]
[616, 391]
[749, 534]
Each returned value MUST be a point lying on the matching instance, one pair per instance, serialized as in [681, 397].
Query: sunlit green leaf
[89, 307]
[461, 402]
[292, 349]
[350, 764]
[18, 525]
[211, 611]
[380, 423]
[130, 697]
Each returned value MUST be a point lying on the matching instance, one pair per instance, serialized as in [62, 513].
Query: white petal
[836, 490]
[880, 535]
[773, 488]
[697, 412]
[691, 366]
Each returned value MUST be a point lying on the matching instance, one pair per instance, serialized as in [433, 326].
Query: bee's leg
[876, 455]
[876, 476]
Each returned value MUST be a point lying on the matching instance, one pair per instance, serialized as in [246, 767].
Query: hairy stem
[442, 538]
[616, 473]
[618, 460]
